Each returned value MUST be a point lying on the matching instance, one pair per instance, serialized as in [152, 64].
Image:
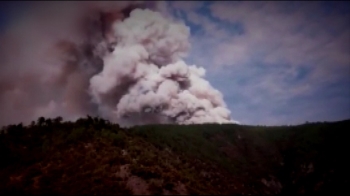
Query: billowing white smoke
[109, 59]
[157, 85]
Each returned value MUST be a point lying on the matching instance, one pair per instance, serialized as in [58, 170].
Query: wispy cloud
[270, 56]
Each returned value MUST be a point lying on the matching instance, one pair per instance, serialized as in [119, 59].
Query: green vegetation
[94, 156]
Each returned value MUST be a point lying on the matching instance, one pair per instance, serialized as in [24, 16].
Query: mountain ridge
[95, 156]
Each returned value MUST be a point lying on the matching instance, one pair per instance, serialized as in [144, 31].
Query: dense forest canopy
[93, 155]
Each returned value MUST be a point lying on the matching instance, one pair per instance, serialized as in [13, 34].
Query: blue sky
[275, 62]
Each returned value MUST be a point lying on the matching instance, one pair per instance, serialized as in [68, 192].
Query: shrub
[75, 134]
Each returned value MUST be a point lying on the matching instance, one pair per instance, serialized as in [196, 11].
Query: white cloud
[279, 39]
[296, 37]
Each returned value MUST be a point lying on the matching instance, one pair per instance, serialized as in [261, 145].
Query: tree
[58, 120]
[19, 126]
[89, 120]
[48, 122]
[41, 121]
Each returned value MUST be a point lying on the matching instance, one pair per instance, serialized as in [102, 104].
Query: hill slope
[93, 156]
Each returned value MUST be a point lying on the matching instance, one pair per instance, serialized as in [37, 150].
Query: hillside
[94, 156]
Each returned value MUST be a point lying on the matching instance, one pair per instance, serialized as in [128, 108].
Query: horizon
[172, 124]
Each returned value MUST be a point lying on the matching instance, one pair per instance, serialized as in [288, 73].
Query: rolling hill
[94, 156]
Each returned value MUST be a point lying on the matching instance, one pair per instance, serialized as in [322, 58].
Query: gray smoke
[118, 60]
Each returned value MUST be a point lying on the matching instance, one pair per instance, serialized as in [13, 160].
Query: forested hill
[94, 156]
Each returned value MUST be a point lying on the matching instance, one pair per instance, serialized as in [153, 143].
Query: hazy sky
[275, 62]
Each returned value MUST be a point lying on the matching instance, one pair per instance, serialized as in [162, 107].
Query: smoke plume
[118, 60]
